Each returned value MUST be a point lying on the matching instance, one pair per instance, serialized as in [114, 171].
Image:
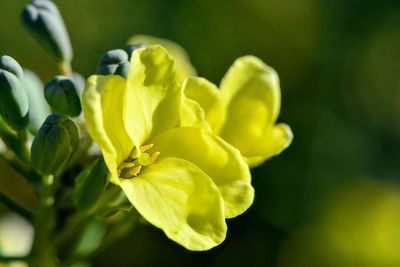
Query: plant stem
[43, 253]
[12, 205]
[66, 69]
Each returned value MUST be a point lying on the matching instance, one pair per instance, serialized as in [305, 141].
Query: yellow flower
[184, 180]
[183, 66]
[243, 111]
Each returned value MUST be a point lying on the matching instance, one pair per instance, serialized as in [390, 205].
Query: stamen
[145, 147]
[135, 171]
[132, 166]
[154, 157]
[124, 165]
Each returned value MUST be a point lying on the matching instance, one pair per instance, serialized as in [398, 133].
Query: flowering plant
[154, 143]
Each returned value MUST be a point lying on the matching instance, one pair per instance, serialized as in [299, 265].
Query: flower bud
[114, 62]
[62, 95]
[38, 107]
[13, 96]
[130, 48]
[54, 145]
[43, 21]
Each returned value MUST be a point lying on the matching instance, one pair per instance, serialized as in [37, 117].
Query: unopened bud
[54, 145]
[114, 62]
[130, 48]
[14, 103]
[62, 95]
[43, 21]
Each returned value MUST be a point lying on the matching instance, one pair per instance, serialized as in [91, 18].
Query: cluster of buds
[41, 126]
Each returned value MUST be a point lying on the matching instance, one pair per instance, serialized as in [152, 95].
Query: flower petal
[251, 93]
[209, 98]
[153, 94]
[178, 197]
[183, 65]
[102, 103]
[219, 160]
[273, 143]
[193, 115]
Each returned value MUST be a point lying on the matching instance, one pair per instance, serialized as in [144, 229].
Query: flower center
[135, 163]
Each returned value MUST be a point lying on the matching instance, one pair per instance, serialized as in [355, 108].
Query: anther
[154, 157]
[145, 147]
[135, 171]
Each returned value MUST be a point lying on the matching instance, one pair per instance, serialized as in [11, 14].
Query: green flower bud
[38, 107]
[129, 50]
[14, 103]
[114, 62]
[43, 21]
[62, 95]
[54, 145]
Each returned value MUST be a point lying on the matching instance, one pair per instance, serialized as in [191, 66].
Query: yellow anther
[154, 157]
[145, 147]
[135, 170]
[124, 165]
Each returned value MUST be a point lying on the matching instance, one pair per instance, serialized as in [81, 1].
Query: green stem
[66, 69]
[12, 205]
[43, 253]
[22, 136]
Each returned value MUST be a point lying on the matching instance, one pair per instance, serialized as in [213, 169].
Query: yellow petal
[274, 142]
[184, 67]
[209, 98]
[102, 103]
[153, 94]
[219, 160]
[193, 115]
[251, 94]
[176, 196]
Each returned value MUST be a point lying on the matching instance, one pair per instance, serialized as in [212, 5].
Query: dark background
[332, 198]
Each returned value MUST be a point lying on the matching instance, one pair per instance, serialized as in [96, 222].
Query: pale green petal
[251, 93]
[184, 67]
[102, 103]
[274, 142]
[209, 97]
[178, 197]
[153, 94]
[219, 160]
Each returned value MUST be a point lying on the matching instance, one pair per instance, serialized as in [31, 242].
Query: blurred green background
[333, 197]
